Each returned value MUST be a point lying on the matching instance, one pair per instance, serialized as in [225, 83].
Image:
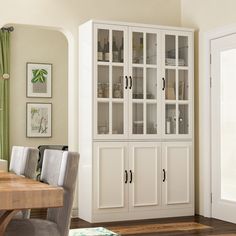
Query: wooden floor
[218, 227]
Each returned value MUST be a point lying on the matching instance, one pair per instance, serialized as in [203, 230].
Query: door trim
[205, 180]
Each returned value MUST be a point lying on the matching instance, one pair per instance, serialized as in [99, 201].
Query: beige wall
[204, 15]
[32, 44]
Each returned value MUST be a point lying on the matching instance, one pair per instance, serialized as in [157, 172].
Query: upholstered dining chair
[59, 169]
[3, 165]
[24, 161]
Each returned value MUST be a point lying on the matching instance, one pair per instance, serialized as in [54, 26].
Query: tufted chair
[59, 169]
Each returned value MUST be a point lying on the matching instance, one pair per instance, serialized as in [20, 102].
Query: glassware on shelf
[106, 90]
[137, 48]
[118, 90]
[170, 120]
[121, 51]
[106, 55]
[100, 90]
[115, 52]
[100, 52]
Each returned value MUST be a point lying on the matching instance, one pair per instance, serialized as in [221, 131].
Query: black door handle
[163, 84]
[164, 175]
[131, 176]
[131, 82]
[126, 176]
[126, 82]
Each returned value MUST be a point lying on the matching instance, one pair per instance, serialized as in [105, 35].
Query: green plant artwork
[39, 75]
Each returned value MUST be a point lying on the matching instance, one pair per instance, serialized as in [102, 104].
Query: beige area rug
[153, 228]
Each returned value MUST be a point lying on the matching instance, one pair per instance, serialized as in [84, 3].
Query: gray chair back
[60, 168]
[24, 161]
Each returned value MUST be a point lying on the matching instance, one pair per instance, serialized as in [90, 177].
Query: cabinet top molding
[146, 25]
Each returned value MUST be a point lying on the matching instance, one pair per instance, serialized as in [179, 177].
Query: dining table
[19, 193]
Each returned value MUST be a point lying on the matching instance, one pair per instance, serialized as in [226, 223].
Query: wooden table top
[17, 192]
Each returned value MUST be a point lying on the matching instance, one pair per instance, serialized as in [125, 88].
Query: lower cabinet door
[110, 176]
[177, 164]
[144, 175]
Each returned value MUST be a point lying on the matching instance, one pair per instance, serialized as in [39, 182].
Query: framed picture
[39, 120]
[39, 80]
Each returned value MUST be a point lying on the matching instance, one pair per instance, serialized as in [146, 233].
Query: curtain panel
[4, 93]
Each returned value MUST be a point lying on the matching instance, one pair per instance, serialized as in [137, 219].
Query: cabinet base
[138, 215]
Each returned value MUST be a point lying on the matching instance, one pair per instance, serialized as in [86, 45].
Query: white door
[223, 130]
[110, 176]
[110, 82]
[145, 175]
[144, 83]
[177, 78]
[177, 167]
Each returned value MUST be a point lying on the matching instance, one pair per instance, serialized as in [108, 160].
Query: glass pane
[170, 119]
[117, 118]
[183, 51]
[103, 45]
[151, 118]
[137, 48]
[151, 49]
[137, 83]
[170, 50]
[103, 82]
[183, 119]
[228, 124]
[151, 80]
[137, 118]
[117, 82]
[183, 85]
[117, 46]
[103, 118]
[170, 89]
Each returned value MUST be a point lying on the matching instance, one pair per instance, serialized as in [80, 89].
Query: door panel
[144, 162]
[223, 149]
[110, 82]
[144, 83]
[177, 87]
[177, 173]
[110, 162]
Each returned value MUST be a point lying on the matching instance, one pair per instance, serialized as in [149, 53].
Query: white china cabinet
[135, 121]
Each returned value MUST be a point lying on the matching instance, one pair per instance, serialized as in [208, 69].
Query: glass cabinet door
[143, 84]
[110, 82]
[176, 85]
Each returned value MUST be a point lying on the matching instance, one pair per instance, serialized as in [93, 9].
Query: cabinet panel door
[110, 82]
[177, 73]
[144, 83]
[177, 173]
[145, 167]
[110, 177]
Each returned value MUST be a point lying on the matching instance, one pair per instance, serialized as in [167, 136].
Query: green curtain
[4, 93]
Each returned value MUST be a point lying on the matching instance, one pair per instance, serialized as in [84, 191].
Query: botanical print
[39, 80]
[38, 120]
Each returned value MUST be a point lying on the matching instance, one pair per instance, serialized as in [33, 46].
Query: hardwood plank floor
[218, 227]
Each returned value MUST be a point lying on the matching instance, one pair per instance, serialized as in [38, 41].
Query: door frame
[205, 164]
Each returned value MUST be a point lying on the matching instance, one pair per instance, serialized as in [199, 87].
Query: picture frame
[39, 120]
[39, 80]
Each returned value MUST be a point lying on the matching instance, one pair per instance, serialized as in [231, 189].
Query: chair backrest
[24, 161]
[60, 168]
